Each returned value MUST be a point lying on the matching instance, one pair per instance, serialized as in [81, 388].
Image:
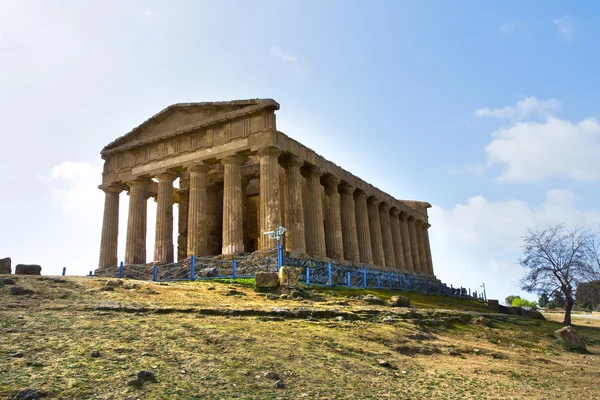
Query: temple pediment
[184, 117]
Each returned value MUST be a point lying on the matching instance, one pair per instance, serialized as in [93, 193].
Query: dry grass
[196, 356]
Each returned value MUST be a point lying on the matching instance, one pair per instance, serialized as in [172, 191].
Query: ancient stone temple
[240, 177]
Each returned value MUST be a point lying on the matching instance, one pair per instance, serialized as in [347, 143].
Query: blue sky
[485, 109]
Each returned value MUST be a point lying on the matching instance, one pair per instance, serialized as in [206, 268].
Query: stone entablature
[221, 149]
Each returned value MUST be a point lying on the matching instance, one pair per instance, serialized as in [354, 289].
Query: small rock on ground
[8, 281]
[17, 290]
[272, 375]
[18, 354]
[146, 376]
[107, 288]
[95, 354]
[279, 384]
[29, 394]
[372, 299]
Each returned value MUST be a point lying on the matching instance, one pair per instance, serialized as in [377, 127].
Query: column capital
[138, 182]
[110, 188]
[374, 201]
[198, 168]
[426, 225]
[361, 194]
[269, 151]
[166, 176]
[395, 212]
[232, 160]
[385, 207]
[292, 161]
[347, 188]
[313, 172]
[418, 222]
[332, 180]
[403, 216]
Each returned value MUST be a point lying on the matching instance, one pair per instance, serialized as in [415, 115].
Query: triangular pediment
[183, 117]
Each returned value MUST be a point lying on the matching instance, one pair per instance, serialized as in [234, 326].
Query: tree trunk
[568, 307]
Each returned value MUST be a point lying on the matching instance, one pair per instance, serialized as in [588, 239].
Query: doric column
[375, 228]
[397, 238]
[198, 219]
[270, 210]
[182, 216]
[163, 243]
[313, 214]
[421, 246]
[428, 248]
[295, 235]
[414, 245]
[406, 244]
[349, 234]
[233, 235]
[245, 182]
[135, 245]
[110, 227]
[333, 221]
[363, 230]
[386, 236]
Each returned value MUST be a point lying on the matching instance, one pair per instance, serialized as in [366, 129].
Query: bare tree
[557, 259]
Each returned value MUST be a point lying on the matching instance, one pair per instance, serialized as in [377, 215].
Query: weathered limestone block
[28, 269]
[372, 299]
[266, 279]
[399, 301]
[5, 266]
[289, 276]
[571, 339]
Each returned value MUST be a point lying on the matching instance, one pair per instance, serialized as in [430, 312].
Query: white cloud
[565, 26]
[75, 186]
[480, 241]
[529, 107]
[555, 148]
[148, 13]
[474, 169]
[290, 57]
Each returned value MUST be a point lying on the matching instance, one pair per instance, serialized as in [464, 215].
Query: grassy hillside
[224, 340]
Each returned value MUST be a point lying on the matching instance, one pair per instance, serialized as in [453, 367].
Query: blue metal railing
[313, 274]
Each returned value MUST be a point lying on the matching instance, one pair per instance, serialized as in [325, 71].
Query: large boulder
[5, 268]
[28, 269]
[208, 272]
[571, 339]
[372, 299]
[289, 276]
[266, 279]
[399, 301]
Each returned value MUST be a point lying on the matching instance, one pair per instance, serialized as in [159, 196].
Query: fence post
[64, 271]
[307, 276]
[348, 278]
[279, 257]
[192, 268]
[365, 278]
[154, 273]
[391, 280]
[90, 273]
[234, 268]
[330, 274]
[410, 283]
[378, 281]
[121, 270]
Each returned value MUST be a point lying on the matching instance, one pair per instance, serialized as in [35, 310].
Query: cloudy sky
[485, 109]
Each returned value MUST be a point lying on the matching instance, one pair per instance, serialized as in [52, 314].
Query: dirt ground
[223, 340]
